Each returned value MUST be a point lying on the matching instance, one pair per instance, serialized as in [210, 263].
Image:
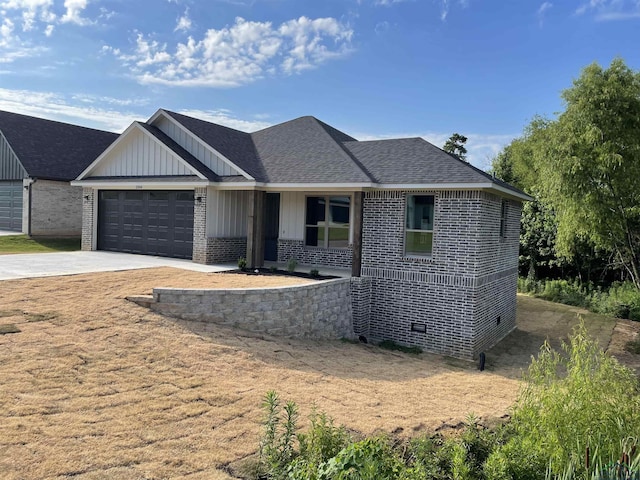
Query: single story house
[431, 241]
[38, 159]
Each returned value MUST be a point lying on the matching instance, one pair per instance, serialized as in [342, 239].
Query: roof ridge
[344, 151]
[59, 122]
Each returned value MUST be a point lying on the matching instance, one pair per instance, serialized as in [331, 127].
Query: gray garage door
[11, 205]
[146, 222]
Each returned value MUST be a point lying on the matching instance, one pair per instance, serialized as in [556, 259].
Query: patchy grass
[12, 244]
[633, 346]
[391, 345]
[8, 328]
[103, 388]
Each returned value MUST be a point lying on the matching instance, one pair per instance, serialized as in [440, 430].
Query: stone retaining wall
[320, 310]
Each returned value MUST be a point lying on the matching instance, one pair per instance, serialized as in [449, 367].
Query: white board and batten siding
[10, 166]
[141, 155]
[292, 214]
[227, 212]
[195, 147]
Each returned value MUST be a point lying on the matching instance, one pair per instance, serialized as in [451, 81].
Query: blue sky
[372, 68]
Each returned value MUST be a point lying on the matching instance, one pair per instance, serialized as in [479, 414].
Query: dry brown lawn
[96, 387]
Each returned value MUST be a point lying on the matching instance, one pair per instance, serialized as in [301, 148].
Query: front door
[272, 226]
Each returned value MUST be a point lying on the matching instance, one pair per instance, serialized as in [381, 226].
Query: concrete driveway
[70, 263]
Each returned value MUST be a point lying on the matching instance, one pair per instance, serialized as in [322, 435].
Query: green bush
[322, 442]
[572, 400]
[620, 300]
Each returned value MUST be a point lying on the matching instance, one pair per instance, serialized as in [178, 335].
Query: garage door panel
[148, 222]
[11, 205]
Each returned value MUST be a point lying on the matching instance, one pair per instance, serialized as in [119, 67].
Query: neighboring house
[38, 159]
[431, 241]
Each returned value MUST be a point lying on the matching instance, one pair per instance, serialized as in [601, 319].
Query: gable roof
[52, 150]
[186, 156]
[235, 145]
[307, 151]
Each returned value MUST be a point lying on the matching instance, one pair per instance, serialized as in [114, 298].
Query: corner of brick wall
[88, 218]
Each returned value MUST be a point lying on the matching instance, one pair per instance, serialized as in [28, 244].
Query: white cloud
[184, 23]
[39, 15]
[224, 117]
[542, 11]
[445, 6]
[56, 107]
[73, 13]
[606, 10]
[238, 54]
[481, 148]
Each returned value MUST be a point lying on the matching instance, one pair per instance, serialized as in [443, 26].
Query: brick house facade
[431, 241]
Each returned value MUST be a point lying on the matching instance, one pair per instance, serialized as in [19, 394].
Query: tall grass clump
[573, 400]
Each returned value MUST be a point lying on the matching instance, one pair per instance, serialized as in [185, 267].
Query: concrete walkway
[30, 265]
[5, 233]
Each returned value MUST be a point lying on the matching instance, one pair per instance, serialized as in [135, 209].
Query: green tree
[455, 146]
[589, 165]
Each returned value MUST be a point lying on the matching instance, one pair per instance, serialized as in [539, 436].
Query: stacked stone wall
[320, 310]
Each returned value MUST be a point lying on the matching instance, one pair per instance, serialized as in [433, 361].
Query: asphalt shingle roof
[235, 145]
[305, 150]
[53, 150]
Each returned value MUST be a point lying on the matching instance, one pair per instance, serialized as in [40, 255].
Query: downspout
[33, 180]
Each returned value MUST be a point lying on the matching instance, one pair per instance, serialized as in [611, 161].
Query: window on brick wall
[327, 221]
[418, 239]
[503, 219]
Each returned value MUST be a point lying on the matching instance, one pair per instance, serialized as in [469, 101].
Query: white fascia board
[113, 145]
[318, 187]
[454, 186]
[141, 185]
[164, 114]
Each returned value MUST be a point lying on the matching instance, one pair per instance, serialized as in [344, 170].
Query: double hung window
[419, 225]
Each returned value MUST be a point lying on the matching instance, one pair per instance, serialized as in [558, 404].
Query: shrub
[621, 300]
[369, 459]
[315, 273]
[242, 263]
[569, 401]
[291, 265]
[322, 442]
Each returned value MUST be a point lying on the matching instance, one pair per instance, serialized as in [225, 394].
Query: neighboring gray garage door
[146, 222]
[11, 205]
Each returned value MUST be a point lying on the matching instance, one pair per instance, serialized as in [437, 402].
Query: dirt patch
[537, 321]
[107, 389]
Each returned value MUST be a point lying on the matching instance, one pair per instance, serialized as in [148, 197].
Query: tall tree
[589, 165]
[455, 146]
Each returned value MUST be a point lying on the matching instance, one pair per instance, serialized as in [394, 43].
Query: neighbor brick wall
[88, 218]
[460, 290]
[56, 209]
[314, 256]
